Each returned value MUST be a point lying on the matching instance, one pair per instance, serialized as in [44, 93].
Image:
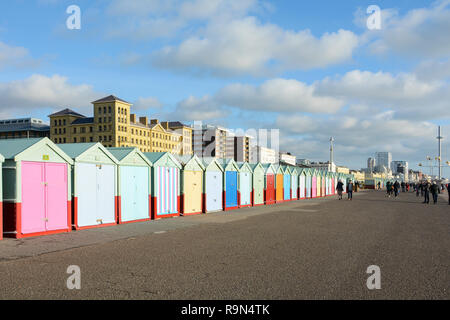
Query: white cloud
[11, 56]
[420, 33]
[147, 103]
[248, 46]
[39, 91]
[277, 95]
[406, 93]
[203, 108]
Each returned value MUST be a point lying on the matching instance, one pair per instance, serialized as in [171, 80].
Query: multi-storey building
[212, 141]
[264, 155]
[23, 128]
[185, 131]
[114, 126]
[371, 163]
[242, 147]
[383, 159]
[327, 166]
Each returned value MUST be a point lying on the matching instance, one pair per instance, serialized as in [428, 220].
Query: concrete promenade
[308, 249]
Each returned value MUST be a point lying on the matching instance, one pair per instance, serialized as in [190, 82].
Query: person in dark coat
[403, 186]
[434, 189]
[448, 190]
[396, 188]
[350, 190]
[426, 192]
[340, 189]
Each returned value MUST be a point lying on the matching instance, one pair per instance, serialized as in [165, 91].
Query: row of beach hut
[51, 188]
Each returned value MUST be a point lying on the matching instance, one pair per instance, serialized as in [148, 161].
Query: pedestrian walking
[340, 189]
[389, 188]
[434, 189]
[403, 186]
[379, 185]
[417, 189]
[448, 190]
[350, 190]
[426, 192]
[396, 188]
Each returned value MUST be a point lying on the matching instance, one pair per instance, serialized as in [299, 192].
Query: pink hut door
[33, 197]
[56, 179]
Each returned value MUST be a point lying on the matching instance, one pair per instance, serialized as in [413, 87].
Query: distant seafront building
[400, 167]
[23, 128]
[324, 166]
[383, 159]
[288, 158]
[114, 125]
[264, 155]
[371, 163]
[222, 143]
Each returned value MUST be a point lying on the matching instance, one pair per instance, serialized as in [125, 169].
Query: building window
[100, 120]
[109, 109]
[104, 109]
[56, 131]
[75, 140]
[74, 130]
[83, 139]
[91, 139]
[64, 122]
[56, 122]
[91, 129]
[99, 109]
[59, 122]
[100, 128]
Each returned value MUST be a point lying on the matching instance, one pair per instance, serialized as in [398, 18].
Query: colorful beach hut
[269, 183]
[258, 174]
[230, 185]
[294, 183]
[314, 175]
[133, 185]
[165, 184]
[245, 185]
[302, 183]
[213, 186]
[36, 188]
[309, 182]
[94, 193]
[191, 185]
[286, 183]
[279, 184]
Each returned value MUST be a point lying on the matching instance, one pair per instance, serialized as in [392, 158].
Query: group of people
[425, 188]
[340, 189]
[393, 188]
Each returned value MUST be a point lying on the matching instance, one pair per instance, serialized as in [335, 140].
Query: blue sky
[308, 68]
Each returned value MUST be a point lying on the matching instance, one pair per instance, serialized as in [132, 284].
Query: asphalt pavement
[307, 249]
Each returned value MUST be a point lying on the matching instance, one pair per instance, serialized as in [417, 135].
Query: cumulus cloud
[420, 33]
[147, 103]
[278, 95]
[248, 46]
[11, 56]
[40, 91]
[203, 108]
[409, 95]
[225, 37]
